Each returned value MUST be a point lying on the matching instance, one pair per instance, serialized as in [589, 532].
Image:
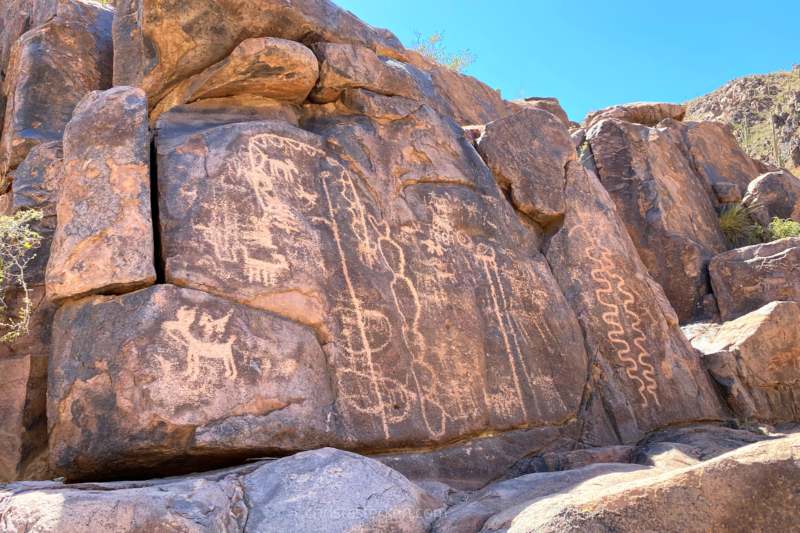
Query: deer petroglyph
[198, 349]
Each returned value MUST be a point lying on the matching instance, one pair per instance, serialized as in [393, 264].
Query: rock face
[265, 67]
[644, 113]
[158, 44]
[756, 361]
[664, 205]
[551, 105]
[644, 374]
[527, 154]
[104, 241]
[23, 426]
[749, 278]
[774, 195]
[325, 491]
[170, 376]
[713, 496]
[37, 180]
[52, 68]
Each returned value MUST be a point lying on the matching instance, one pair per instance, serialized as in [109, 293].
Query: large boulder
[644, 113]
[717, 495]
[37, 181]
[774, 195]
[527, 154]
[324, 491]
[664, 206]
[551, 105]
[755, 359]
[644, 373]
[170, 380]
[52, 68]
[159, 43]
[23, 424]
[439, 317]
[104, 240]
[266, 67]
[747, 279]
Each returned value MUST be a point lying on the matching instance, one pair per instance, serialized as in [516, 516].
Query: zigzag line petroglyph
[603, 274]
[198, 349]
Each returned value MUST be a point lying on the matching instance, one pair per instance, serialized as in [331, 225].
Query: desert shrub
[17, 240]
[736, 224]
[434, 48]
[783, 228]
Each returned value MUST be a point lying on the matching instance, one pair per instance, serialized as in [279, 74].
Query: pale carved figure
[199, 349]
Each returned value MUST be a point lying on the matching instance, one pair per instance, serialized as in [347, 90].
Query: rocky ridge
[273, 232]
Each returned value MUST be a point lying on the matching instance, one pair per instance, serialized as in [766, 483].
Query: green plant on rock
[736, 224]
[783, 228]
[433, 48]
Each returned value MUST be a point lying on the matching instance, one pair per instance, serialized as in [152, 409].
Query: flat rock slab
[324, 491]
[104, 240]
[158, 44]
[665, 206]
[712, 496]
[756, 361]
[439, 317]
[747, 279]
[52, 68]
[176, 378]
[644, 113]
[646, 372]
[527, 154]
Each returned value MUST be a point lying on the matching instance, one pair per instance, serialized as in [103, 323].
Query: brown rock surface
[158, 44]
[104, 239]
[664, 205]
[527, 154]
[714, 496]
[749, 278]
[551, 105]
[23, 426]
[756, 361]
[37, 180]
[776, 194]
[644, 113]
[645, 374]
[52, 68]
[269, 68]
[169, 380]
[440, 319]
[361, 102]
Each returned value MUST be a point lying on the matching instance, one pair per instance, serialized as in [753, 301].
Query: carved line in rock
[197, 349]
[604, 273]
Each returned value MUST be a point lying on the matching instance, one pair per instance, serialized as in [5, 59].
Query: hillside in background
[752, 105]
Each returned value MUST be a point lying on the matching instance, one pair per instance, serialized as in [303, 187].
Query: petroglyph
[197, 349]
[613, 285]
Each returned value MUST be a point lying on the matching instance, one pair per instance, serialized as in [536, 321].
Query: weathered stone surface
[527, 154]
[15, 20]
[756, 361]
[361, 102]
[23, 426]
[331, 490]
[571, 460]
[169, 379]
[37, 180]
[325, 491]
[664, 205]
[472, 101]
[714, 496]
[52, 68]
[266, 67]
[715, 154]
[104, 240]
[747, 279]
[644, 372]
[644, 113]
[158, 44]
[551, 105]
[727, 193]
[772, 195]
[345, 67]
[493, 508]
[440, 319]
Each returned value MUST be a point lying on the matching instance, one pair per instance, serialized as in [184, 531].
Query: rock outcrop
[755, 360]
[749, 278]
[644, 113]
[551, 105]
[774, 195]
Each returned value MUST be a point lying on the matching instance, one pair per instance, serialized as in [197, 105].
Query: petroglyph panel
[438, 317]
[170, 374]
[641, 353]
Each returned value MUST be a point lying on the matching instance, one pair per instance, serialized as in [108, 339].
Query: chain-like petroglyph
[198, 349]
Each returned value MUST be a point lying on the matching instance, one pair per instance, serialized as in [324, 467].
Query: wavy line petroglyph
[604, 273]
[202, 348]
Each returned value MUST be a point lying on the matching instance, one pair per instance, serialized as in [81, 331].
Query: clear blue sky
[596, 54]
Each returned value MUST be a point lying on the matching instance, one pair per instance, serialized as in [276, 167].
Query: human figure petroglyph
[199, 349]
